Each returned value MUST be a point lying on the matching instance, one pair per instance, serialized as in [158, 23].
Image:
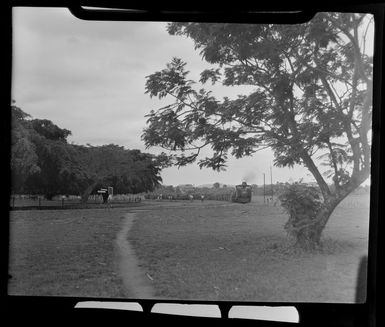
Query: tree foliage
[312, 95]
[43, 162]
[128, 171]
[302, 203]
[49, 130]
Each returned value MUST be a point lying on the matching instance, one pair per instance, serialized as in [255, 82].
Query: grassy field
[241, 252]
[30, 204]
[64, 252]
[206, 251]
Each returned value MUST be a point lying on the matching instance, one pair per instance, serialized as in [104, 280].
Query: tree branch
[328, 88]
[308, 161]
[334, 163]
[352, 39]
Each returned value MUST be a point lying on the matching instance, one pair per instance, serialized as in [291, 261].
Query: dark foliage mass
[302, 203]
[43, 162]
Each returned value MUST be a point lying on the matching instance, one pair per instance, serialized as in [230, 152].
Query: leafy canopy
[42, 161]
[312, 94]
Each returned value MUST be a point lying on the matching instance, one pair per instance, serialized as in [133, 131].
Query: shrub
[302, 203]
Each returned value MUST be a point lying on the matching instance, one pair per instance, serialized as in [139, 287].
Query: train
[242, 193]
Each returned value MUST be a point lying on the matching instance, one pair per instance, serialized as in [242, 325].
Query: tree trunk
[86, 193]
[49, 196]
[309, 237]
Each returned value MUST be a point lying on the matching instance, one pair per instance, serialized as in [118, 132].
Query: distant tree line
[176, 193]
[43, 162]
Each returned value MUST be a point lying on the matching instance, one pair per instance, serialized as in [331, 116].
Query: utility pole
[264, 192]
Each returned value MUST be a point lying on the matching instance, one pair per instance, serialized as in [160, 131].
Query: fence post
[39, 202]
[62, 202]
[13, 202]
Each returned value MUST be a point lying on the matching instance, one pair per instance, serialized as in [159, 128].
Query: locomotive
[241, 193]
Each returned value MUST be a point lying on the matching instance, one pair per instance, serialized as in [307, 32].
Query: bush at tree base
[302, 203]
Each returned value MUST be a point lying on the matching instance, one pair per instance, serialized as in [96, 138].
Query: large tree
[128, 171]
[43, 162]
[312, 95]
[36, 154]
[23, 150]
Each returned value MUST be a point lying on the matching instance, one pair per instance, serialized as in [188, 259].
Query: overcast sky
[89, 77]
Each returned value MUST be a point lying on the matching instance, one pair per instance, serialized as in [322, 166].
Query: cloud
[59, 23]
[89, 77]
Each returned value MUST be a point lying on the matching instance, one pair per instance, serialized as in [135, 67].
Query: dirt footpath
[134, 281]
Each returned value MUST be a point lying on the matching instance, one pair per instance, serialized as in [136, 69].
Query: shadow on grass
[327, 246]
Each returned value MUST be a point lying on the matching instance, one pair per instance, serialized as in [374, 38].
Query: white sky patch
[89, 77]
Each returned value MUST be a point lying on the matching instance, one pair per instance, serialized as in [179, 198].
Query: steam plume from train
[250, 177]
